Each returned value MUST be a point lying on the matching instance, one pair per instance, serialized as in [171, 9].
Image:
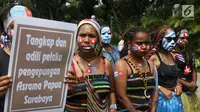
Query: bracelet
[159, 87]
[113, 106]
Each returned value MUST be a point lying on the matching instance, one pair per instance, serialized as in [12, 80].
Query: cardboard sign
[41, 55]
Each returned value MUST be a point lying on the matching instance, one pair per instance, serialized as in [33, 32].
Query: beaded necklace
[143, 73]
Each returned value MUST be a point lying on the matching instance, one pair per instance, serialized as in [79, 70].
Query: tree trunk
[117, 21]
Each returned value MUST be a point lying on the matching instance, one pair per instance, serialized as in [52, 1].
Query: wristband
[113, 106]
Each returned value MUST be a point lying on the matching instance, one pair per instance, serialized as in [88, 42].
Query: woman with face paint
[110, 52]
[95, 89]
[134, 79]
[169, 88]
[187, 74]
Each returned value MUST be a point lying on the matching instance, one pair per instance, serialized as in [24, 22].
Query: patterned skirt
[169, 105]
[191, 102]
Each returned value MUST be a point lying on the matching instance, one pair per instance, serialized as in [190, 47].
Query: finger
[73, 73]
[3, 88]
[72, 81]
[5, 82]
[71, 77]
[5, 77]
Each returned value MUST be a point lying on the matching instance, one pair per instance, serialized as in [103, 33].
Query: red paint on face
[80, 39]
[185, 34]
[84, 42]
[93, 40]
[142, 48]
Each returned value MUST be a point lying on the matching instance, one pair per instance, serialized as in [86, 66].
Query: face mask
[106, 35]
[169, 41]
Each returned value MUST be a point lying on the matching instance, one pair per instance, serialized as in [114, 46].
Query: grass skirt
[169, 105]
[191, 102]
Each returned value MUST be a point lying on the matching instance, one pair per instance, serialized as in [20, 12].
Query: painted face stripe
[171, 34]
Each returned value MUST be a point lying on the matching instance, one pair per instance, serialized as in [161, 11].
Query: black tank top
[167, 74]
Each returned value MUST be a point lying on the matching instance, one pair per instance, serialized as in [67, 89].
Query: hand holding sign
[41, 54]
[5, 83]
[71, 79]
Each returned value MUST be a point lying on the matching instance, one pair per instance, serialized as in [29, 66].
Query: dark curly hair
[129, 36]
[157, 36]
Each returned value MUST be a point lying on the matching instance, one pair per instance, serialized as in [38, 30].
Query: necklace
[88, 61]
[142, 73]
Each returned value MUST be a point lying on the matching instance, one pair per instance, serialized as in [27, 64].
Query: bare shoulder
[109, 68]
[120, 64]
[154, 60]
[108, 63]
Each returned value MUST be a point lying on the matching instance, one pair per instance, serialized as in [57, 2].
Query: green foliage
[197, 62]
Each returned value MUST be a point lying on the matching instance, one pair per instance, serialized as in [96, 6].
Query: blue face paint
[134, 48]
[106, 35]
[169, 41]
[92, 46]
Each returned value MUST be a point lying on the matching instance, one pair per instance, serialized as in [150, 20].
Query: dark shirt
[4, 62]
[185, 62]
[136, 89]
[167, 74]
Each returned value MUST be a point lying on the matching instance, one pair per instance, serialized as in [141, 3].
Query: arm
[154, 98]
[155, 92]
[112, 96]
[194, 80]
[192, 85]
[121, 85]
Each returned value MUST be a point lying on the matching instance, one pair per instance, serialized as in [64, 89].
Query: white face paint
[169, 41]
[183, 35]
[106, 35]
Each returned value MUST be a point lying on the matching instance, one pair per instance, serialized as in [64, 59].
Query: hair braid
[157, 37]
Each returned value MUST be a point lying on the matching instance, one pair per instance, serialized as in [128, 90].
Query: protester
[134, 75]
[187, 74]
[109, 51]
[6, 39]
[169, 90]
[95, 89]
